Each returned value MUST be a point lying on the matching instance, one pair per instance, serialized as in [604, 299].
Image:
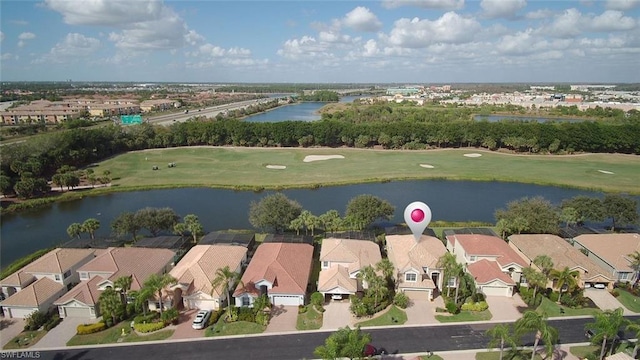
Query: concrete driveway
[283, 318]
[59, 335]
[9, 328]
[184, 330]
[605, 301]
[337, 315]
[504, 308]
[422, 311]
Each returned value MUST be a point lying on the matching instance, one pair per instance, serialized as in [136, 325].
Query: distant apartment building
[403, 91]
[591, 87]
[158, 105]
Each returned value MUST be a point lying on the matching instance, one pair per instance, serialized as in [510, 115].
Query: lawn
[222, 328]
[582, 351]
[554, 310]
[507, 355]
[431, 357]
[465, 316]
[629, 300]
[245, 168]
[393, 316]
[24, 340]
[309, 320]
[114, 333]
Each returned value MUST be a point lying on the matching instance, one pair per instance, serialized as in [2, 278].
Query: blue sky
[414, 41]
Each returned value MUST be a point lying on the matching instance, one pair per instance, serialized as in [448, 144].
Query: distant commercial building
[591, 87]
[403, 91]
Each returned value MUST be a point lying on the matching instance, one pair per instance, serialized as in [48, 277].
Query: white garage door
[203, 304]
[417, 294]
[74, 311]
[286, 300]
[494, 290]
[20, 313]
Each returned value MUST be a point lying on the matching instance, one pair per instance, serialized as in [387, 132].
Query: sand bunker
[473, 155]
[310, 158]
[277, 167]
[427, 166]
[606, 172]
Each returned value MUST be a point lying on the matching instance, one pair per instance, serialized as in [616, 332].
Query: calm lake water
[306, 111]
[220, 209]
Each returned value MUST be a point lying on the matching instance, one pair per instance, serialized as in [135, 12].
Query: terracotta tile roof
[56, 261]
[198, 266]
[356, 254]
[286, 265]
[485, 271]
[486, 245]
[125, 261]
[612, 248]
[85, 292]
[405, 253]
[559, 250]
[336, 276]
[41, 291]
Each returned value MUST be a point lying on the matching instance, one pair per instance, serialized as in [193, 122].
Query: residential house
[37, 285]
[494, 265]
[196, 271]
[340, 263]
[612, 252]
[101, 273]
[563, 255]
[280, 271]
[415, 264]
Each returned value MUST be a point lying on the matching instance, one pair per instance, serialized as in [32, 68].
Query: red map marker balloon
[417, 215]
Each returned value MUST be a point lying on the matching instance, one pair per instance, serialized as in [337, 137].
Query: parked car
[370, 350]
[201, 320]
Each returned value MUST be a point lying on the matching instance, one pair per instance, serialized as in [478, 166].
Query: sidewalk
[561, 352]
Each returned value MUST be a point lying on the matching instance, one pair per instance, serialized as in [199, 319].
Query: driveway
[504, 308]
[605, 301]
[184, 330]
[283, 318]
[337, 315]
[59, 335]
[9, 328]
[422, 311]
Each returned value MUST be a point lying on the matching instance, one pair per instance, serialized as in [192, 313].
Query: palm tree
[90, 226]
[123, 283]
[635, 265]
[141, 297]
[606, 327]
[446, 262]
[110, 304]
[226, 278]
[501, 335]
[635, 327]
[533, 321]
[565, 278]
[544, 263]
[457, 270]
[194, 226]
[375, 284]
[386, 268]
[156, 283]
[74, 230]
[535, 279]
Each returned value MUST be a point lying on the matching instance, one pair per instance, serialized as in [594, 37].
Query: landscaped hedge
[150, 317]
[145, 328]
[84, 329]
[475, 306]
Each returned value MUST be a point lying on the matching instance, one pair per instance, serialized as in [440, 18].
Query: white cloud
[1, 36]
[612, 20]
[26, 36]
[362, 19]
[572, 23]
[568, 24]
[622, 4]
[416, 33]
[502, 8]
[74, 47]
[427, 4]
[7, 56]
[539, 14]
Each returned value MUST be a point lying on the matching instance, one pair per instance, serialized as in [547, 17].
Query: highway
[168, 119]
[397, 340]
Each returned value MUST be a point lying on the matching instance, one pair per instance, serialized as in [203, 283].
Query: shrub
[53, 322]
[553, 296]
[476, 306]
[150, 317]
[84, 329]
[262, 318]
[246, 314]
[478, 297]
[615, 292]
[170, 316]
[35, 320]
[149, 327]
[452, 308]
[215, 315]
[401, 300]
[302, 309]
[440, 310]
[317, 299]
[358, 308]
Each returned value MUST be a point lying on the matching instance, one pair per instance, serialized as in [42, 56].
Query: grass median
[276, 168]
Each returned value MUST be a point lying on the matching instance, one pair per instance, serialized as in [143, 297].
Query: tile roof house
[416, 263]
[27, 291]
[563, 254]
[279, 270]
[341, 261]
[101, 273]
[471, 248]
[197, 269]
[611, 252]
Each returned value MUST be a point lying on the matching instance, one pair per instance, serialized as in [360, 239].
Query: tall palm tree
[123, 284]
[226, 278]
[606, 327]
[544, 263]
[156, 283]
[533, 321]
[565, 278]
[635, 327]
[457, 270]
[386, 268]
[90, 226]
[74, 230]
[110, 304]
[501, 335]
[446, 262]
[376, 285]
[535, 279]
[635, 265]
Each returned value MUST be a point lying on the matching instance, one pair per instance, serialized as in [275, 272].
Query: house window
[623, 276]
[67, 274]
[84, 275]
[523, 280]
[410, 277]
[451, 282]
[57, 277]
[245, 301]
[325, 264]
[473, 258]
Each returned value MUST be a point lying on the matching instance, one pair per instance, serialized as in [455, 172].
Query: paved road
[167, 119]
[301, 345]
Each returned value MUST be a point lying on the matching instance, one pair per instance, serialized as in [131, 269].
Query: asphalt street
[300, 346]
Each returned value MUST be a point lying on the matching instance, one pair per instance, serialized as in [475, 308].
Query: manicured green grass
[114, 333]
[508, 354]
[465, 316]
[432, 357]
[584, 350]
[222, 328]
[629, 300]
[393, 316]
[310, 320]
[158, 335]
[245, 168]
[553, 310]
[24, 340]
